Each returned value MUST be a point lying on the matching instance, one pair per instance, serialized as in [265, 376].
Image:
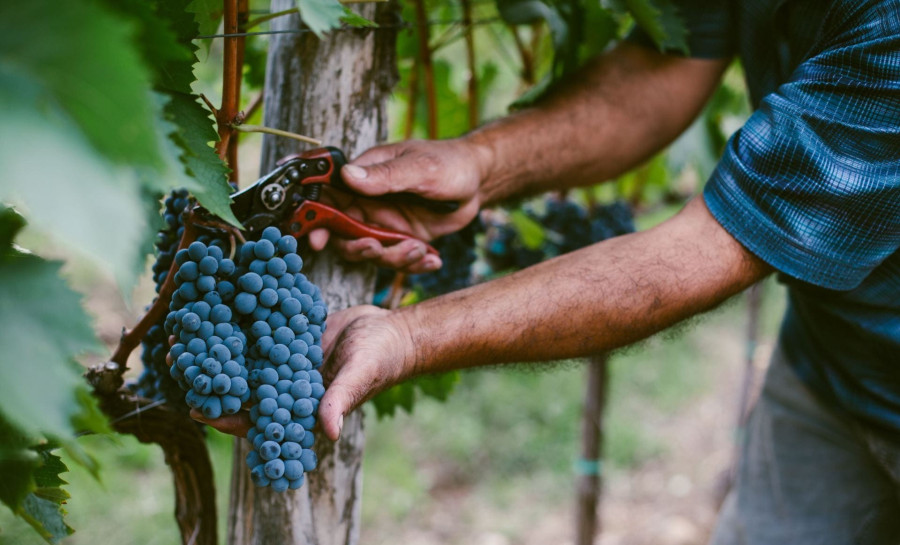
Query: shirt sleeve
[811, 183]
[710, 27]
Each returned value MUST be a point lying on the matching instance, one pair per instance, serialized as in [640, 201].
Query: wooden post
[588, 484]
[335, 89]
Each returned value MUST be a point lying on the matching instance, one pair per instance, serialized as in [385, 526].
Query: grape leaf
[30, 482]
[404, 395]
[85, 63]
[195, 132]
[42, 509]
[51, 172]
[17, 464]
[207, 15]
[660, 20]
[167, 54]
[352, 18]
[530, 231]
[321, 15]
[44, 328]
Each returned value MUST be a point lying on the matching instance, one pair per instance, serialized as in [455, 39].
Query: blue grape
[270, 450]
[275, 468]
[291, 450]
[293, 470]
[250, 283]
[309, 460]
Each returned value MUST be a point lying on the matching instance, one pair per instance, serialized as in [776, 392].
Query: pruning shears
[288, 196]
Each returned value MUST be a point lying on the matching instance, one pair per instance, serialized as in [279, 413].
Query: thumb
[337, 401]
[391, 176]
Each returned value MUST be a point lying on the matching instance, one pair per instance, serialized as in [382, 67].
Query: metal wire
[487, 21]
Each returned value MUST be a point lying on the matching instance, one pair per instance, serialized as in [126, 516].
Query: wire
[487, 21]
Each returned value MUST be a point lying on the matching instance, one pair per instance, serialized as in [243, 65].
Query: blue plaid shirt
[811, 183]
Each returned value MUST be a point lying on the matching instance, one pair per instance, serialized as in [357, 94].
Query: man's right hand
[444, 170]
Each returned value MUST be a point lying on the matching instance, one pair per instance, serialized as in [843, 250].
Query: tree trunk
[335, 89]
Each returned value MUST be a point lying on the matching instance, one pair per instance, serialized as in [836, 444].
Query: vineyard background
[494, 463]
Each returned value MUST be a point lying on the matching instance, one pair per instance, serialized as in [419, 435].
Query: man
[809, 188]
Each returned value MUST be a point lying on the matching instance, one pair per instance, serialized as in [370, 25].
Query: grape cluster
[567, 227]
[251, 332]
[155, 382]
[457, 251]
[611, 220]
[287, 317]
[208, 355]
[168, 238]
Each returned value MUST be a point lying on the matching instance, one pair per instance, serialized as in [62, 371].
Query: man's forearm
[613, 114]
[596, 299]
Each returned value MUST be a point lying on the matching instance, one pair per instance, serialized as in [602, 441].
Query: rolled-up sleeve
[811, 183]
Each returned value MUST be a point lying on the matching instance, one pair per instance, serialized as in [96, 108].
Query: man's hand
[367, 350]
[445, 170]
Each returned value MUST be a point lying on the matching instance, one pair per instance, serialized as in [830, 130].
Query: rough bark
[334, 89]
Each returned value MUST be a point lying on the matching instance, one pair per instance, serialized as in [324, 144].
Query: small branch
[276, 14]
[232, 65]
[525, 55]
[252, 23]
[427, 67]
[277, 132]
[252, 109]
[470, 61]
[395, 296]
[412, 100]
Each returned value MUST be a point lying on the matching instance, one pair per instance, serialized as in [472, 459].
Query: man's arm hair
[610, 116]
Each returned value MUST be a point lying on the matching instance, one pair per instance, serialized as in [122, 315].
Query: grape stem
[276, 132]
[132, 338]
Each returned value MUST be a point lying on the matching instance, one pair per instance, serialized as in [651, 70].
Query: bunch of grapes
[567, 227]
[611, 220]
[251, 331]
[457, 251]
[155, 382]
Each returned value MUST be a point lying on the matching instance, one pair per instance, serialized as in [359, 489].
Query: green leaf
[321, 15]
[55, 177]
[84, 63]
[352, 18]
[167, 53]
[11, 222]
[660, 20]
[44, 328]
[195, 132]
[207, 14]
[530, 231]
[17, 464]
[45, 514]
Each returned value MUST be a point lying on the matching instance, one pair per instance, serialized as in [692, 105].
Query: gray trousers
[809, 475]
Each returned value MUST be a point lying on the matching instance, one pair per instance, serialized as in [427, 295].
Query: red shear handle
[314, 215]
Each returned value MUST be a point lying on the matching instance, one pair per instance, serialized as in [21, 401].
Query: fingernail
[415, 253]
[340, 425]
[431, 264]
[356, 172]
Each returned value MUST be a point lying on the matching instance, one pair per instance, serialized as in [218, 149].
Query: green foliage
[321, 15]
[404, 395]
[659, 19]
